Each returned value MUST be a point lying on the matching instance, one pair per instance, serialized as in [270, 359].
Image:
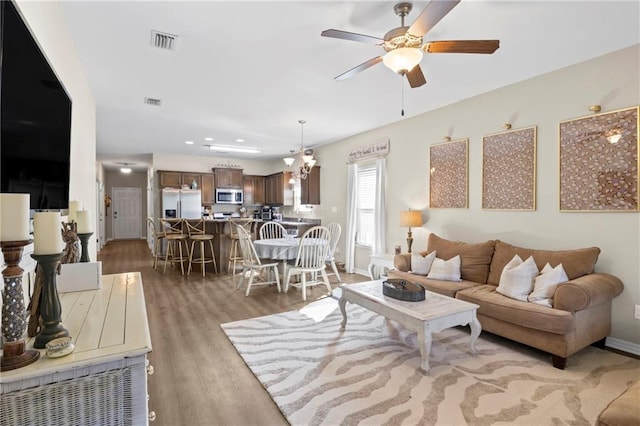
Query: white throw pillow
[546, 283]
[445, 270]
[420, 265]
[516, 280]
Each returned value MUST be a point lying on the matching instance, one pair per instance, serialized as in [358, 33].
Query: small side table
[379, 261]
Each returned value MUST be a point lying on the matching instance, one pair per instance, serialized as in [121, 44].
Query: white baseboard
[361, 272]
[623, 345]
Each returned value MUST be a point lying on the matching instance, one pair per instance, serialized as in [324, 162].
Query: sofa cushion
[420, 265]
[545, 284]
[530, 315]
[475, 258]
[576, 263]
[446, 288]
[445, 270]
[516, 280]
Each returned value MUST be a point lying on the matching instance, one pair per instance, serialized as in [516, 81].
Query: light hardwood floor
[199, 377]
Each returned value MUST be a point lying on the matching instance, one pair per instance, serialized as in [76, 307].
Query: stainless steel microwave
[228, 196]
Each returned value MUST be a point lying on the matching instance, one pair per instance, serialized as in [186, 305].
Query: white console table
[379, 261]
[104, 381]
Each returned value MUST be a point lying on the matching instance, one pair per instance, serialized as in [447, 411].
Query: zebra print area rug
[369, 373]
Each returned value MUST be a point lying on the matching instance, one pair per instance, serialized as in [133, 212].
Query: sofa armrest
[586, 291]
[402, 262]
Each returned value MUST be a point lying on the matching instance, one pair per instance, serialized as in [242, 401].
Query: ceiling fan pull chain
[402, 90]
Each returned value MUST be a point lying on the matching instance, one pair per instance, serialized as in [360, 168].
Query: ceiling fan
[404, 45]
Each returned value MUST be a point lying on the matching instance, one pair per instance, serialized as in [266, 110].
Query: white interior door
[127, 204]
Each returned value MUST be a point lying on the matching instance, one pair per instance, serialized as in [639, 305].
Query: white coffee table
[432, 315]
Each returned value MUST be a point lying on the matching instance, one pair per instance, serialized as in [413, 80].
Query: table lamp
[410, 218]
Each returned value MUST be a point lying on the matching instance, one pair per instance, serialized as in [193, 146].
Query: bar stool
[197, 234]
[235, 255]
[157, 241]
[176, 238]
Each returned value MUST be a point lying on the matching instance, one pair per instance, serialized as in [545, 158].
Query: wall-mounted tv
[35, 114]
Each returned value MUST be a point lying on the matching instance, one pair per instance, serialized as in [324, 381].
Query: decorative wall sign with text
[377, 149]
[449, 175]
[509, 170]
[599, 162]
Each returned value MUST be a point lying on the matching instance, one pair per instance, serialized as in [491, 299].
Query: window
[365, 205]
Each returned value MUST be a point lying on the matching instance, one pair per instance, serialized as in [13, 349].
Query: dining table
[277, 248]
[283, 249]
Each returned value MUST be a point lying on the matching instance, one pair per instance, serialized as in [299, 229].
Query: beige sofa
[581, 312]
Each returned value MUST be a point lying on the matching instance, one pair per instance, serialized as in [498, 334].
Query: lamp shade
[410, 218]
[402, 59]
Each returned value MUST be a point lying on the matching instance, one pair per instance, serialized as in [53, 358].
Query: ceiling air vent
[153, 102]
[163, 41]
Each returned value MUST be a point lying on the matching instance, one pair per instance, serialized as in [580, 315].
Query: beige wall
[611, 80]
[47, 23]
[115, 179]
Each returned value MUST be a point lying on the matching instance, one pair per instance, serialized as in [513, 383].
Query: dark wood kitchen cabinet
[228, 178]
[278, 190]
[208, 189]
[254, 190]
[171, 179]
[310, 187]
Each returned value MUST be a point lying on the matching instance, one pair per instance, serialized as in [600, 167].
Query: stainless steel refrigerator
[181, 203]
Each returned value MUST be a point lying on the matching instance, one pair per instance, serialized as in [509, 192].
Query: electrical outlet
[637, 314]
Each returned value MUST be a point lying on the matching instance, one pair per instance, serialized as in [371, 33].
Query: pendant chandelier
[305, 159]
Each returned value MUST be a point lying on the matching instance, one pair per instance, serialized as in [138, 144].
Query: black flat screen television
[35, 113]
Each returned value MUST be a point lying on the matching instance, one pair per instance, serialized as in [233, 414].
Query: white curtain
[350, 238]
[380, 214]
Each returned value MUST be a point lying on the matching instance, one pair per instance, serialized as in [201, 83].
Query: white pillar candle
[84, 222]
[14, 217]
[74, 206]
[47, 235]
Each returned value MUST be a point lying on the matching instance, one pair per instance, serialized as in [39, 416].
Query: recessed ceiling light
[208, 139]
[188, 142]
[239, 140]
[233, 149]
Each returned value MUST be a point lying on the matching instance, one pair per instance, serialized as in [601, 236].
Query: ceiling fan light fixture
[289, 161]
[402, 59]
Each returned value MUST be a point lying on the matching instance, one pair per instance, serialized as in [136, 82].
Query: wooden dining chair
[312, 254]
[157, 237]
[335, 230]
[252, 265]
[235, 256]
[176, 239]
[197, 234]
[272, 230]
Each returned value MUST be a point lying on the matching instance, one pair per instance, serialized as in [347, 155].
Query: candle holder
[84, 242]
[14, 321]
[50, 308]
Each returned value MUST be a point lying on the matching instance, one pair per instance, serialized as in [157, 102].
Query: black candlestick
[13, 319]
[84, 242]
[50, 309]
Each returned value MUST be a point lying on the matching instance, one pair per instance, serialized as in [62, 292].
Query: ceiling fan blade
[462, 46]
[363, 66]
[415, 77]
[432, 13]
[345, 35]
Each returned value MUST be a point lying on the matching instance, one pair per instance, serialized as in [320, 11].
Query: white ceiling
[251, 70]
